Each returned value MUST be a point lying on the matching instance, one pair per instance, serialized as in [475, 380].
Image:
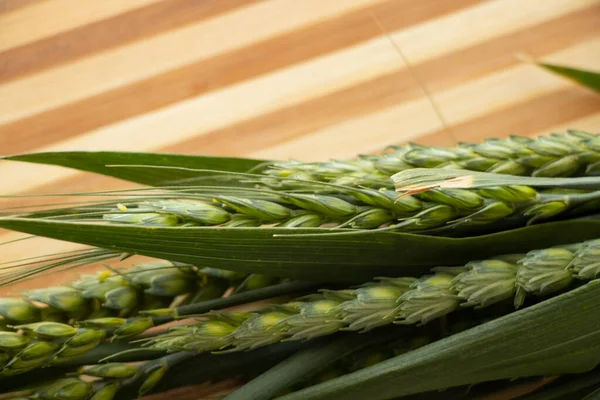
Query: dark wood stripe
[500, 53]
[112, 32]
[394, 88]
[197, 79]
[528, 117]
[11, 5]
[297, 120]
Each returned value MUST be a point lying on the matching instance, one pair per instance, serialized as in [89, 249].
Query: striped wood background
[308, 79]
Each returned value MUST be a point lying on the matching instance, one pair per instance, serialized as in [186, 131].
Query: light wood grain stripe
[195, 80]
[202, 77]
[32, 21]
[477, 98]
[498, 53]
[554, 109]
[391, 89]
[475, 25]
[589, 123]
[415, 120]
[94, 37]
[494, 91]
[142, 60]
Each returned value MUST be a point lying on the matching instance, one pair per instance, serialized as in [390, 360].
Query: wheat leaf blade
[212, 367]
[306, 363]
[589, 79]
[316, 257]
[100, 162]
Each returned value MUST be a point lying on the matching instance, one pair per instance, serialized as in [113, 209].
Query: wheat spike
[364, 208]
[391, 300]
[124, 293]
[568, 154]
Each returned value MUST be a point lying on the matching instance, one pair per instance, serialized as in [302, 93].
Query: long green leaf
[212, 367]
[307, 363]
[557, 336]
[590, 79]
[280, 289]
[109, 163]
[327, 258]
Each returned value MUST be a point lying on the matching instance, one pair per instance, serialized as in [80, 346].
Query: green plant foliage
[326, 258]
[554, 337]
[122, 165]
[589, 79]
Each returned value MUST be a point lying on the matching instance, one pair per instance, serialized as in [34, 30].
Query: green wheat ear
[558, 155]
[399, 300]
[367, 209]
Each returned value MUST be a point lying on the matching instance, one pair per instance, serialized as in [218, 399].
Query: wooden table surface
[306, 79]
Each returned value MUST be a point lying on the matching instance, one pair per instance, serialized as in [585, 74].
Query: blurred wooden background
[306, 79]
